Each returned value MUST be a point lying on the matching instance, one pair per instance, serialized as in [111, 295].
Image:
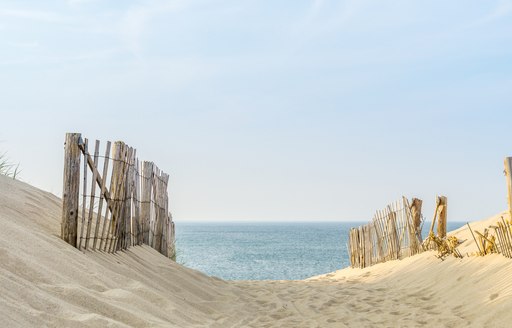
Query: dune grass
[8, 168]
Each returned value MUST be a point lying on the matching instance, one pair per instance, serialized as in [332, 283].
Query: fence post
[508, 175]
[442, 203]
[71, 185]
[416, 216]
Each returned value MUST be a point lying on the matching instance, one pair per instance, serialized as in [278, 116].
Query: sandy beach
[46, 282]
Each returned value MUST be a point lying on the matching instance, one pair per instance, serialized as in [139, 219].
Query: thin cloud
[40, 16]
[322, 17]
[136, 20]
[79, 2]
[502, 10]
[32, 44]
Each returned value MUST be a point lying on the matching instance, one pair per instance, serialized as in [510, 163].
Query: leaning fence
[124, 204]
[394, 233]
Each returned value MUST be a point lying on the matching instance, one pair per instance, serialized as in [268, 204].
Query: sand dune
[45, 282]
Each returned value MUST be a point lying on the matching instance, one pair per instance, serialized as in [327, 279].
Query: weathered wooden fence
[394, 233]
[124, 204]
[501, 241]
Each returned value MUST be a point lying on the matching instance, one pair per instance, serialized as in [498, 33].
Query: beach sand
[46, 282]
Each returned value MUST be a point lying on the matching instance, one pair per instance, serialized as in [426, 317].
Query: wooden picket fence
[503, 228]
[498, 242]
[394, 233]
[125, 203]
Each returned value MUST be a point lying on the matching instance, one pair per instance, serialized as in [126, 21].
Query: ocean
[262, 251]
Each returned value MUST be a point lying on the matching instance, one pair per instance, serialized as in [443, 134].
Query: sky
[269, 110]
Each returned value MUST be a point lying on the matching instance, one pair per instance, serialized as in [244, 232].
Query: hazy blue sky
[270, 110]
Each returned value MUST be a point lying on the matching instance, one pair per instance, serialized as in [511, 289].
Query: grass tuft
[8, 168]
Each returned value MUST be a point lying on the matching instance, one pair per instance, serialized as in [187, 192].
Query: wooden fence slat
[359, 248]
[364, 230]
[383, 222]
[508, 236]
[404, 241]
[360, 235]
[386, 222]
[159, 218]
[371, 232]
[124, 240]
[382, 229]
[352, 247]
[93, 193]
[128, 199]
[119, 201]
[107, 239]
[100, 205]
[165, 232]
[390, 232]
[126, 225]
[396, 233]
[147, 178]
[84, 195]
[156, 202]
[119, 160]
[136, 197]
[152, 207]
[378, 239]
[505, 241]
[356, 248]
[172, 254]
[120, 225]
[165, 213]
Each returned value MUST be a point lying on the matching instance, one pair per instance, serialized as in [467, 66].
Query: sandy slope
[45, 282]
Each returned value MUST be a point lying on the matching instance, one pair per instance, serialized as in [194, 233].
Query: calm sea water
[258, 251]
